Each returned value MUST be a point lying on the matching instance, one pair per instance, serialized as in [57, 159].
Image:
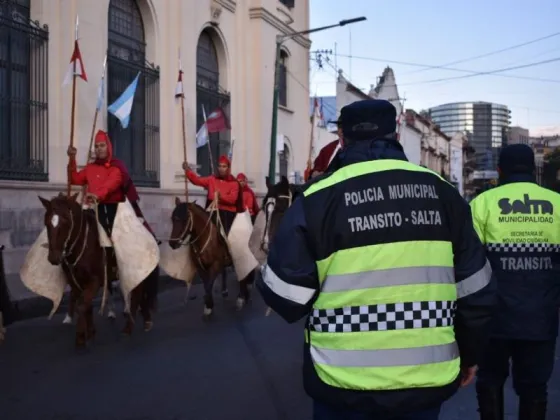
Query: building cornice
[229, 5]
[275, 22]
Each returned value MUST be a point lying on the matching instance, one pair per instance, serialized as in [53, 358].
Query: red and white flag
[76, 61]
[217, 121]
[179, 91]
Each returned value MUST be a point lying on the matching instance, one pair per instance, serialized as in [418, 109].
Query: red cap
[103, 137]
[224, 160]
[241, 177]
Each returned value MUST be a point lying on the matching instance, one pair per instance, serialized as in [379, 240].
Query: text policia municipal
[392, 219]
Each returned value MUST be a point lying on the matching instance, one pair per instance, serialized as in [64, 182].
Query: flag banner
[217, 121]
[202, 136]
[100, 94]
[79, 63]
[122, 107]
[179, 92]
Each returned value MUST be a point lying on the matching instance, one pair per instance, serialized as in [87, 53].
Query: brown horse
[192, 225]
[74, 244]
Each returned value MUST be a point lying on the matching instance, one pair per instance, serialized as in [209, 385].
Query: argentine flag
[122, 107]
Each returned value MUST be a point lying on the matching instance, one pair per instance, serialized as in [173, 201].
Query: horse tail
[151, 288]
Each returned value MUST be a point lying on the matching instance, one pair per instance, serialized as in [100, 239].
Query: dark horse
[277, 200]
[74, 244]
[192, 225]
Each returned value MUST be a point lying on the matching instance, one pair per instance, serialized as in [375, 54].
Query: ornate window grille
[210, 95]
[23, 94]
[138, 145]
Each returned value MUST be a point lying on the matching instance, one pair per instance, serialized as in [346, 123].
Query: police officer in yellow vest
[519, 222]
[382, 258]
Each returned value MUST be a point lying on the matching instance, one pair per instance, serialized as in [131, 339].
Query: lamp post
[279, 41]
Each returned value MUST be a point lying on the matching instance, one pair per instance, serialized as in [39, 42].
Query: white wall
[411, 140]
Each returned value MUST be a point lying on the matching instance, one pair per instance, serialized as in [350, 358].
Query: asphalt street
[239, 366]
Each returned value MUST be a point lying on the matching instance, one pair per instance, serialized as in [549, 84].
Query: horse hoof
[240, 304]
[207, 314]
[67, 320]
[111, 315]
[148, 325]
[225, 293]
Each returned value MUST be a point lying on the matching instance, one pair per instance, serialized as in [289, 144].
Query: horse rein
[185, 237]
[67, 251]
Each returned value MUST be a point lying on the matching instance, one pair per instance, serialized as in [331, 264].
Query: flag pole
[94, 125]
[208, 143]
[72, 112]
[184, 126]
[309, 157]
[231, 153]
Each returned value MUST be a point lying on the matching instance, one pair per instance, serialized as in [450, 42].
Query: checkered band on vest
[525, 247]
[383, 317]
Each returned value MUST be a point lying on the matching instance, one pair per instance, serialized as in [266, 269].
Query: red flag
[78, 62]
[217, 121]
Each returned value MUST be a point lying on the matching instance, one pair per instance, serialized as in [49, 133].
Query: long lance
[72, 113]
[100, 95]
[184, 125]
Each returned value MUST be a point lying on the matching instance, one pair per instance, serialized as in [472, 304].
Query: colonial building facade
[227, 49]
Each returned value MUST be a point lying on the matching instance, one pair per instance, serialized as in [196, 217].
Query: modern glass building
[485, 123]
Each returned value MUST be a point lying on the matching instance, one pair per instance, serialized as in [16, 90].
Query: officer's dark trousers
[325, 412]
[532, 363]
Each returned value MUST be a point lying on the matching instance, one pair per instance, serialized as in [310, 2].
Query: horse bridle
[185, 239]
[272, 202]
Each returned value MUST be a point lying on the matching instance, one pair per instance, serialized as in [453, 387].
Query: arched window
[138, 144]
[23, 94]
[209, 97]
[284, 159]
[283, 79]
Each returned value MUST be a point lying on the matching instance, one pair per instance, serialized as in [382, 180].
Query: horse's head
[277, 200]
[61, 216]
[181, 223]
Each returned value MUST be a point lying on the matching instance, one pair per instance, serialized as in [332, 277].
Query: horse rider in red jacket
[249, 200]
[325, 157]
[107, 180]
[227, 187]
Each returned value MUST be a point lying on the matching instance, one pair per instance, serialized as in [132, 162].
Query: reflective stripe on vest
[383, 321]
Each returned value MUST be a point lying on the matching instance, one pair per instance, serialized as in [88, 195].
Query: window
[23, 94]
[288, 3]
[138, 144]
[209, 95]
[284, 158]
[283, 79]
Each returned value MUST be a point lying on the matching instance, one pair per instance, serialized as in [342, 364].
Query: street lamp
[279, 41]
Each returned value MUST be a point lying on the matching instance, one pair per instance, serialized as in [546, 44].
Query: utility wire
[488, 54]
[427, 66]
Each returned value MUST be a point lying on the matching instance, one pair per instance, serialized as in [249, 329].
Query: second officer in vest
[519, 222]
[382, 257]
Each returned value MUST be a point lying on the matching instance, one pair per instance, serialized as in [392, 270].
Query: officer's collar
[360, 151]
[511, 178]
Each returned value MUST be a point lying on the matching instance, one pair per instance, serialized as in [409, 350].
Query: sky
[440, 32]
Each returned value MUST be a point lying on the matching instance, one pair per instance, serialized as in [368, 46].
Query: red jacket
[228, 189]
[325, 156]
[250, 201]
[105, 182]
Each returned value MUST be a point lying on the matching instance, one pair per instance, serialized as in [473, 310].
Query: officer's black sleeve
[289, 283]
[476, 286]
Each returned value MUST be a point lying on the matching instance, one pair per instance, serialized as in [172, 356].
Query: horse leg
[74, 296]
[111, 303]
[243, 296]
[208, 280]
[149, 299]
[135, 297]
[225, 292]
[2, 329]
[90, 331]
[81, 325]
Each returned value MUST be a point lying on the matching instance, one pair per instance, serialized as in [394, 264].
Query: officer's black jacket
[308, 233]
[528, 300]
